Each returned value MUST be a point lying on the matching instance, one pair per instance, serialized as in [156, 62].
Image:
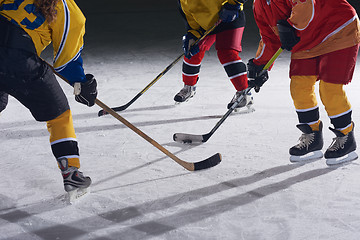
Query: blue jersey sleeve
[73, 71]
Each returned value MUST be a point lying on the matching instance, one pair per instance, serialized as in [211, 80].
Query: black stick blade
[188, 138]
[208, 163]
[102, 112]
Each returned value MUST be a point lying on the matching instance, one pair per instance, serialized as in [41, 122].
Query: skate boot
[75, 183]
[310, 145]
[247, 100]
[185, 94]
[342, 149]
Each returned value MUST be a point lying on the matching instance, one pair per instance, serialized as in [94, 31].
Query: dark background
[118, 26]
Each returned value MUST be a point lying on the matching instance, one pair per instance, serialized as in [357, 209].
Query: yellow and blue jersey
[65, 33]
[203, 14]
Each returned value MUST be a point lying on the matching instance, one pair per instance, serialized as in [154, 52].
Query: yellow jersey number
[29, 9]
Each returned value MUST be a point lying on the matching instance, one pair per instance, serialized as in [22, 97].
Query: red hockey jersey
[323, 26]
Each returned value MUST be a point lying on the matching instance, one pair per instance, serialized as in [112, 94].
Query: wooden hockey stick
[207, 163]
[193, 138]
[204, 164]
[123, 107]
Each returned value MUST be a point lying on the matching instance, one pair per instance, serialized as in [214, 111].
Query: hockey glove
[257, 77]
[287, 35]
[188, 47]
[229, 12]
[88, 91]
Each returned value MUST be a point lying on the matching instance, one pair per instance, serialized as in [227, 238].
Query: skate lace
[80, 174]
[186, 90]
[73, 171]
[305, 140]
[236, 97]
[338, 143]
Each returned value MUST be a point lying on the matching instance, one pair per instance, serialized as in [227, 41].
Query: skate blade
[344, 159]
[77, 194]
[179, 103]
[244, 110]
[307, 157]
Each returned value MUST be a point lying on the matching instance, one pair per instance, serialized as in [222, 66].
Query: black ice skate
[185, 94]
[247, 100]
[75, 183]
[310, 145]
[342, 149]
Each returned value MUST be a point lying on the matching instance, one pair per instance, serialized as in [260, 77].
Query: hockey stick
[207, 163]
[193, 138]
[204, 164]
[123, 107]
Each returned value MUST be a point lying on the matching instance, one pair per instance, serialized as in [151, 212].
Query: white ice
[138, 192]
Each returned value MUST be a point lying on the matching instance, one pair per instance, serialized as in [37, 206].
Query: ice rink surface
[138, 192]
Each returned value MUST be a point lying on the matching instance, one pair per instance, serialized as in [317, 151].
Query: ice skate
[310, 145]
[185, 94]
[75, 183]
[247, 100]
[342, 149]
